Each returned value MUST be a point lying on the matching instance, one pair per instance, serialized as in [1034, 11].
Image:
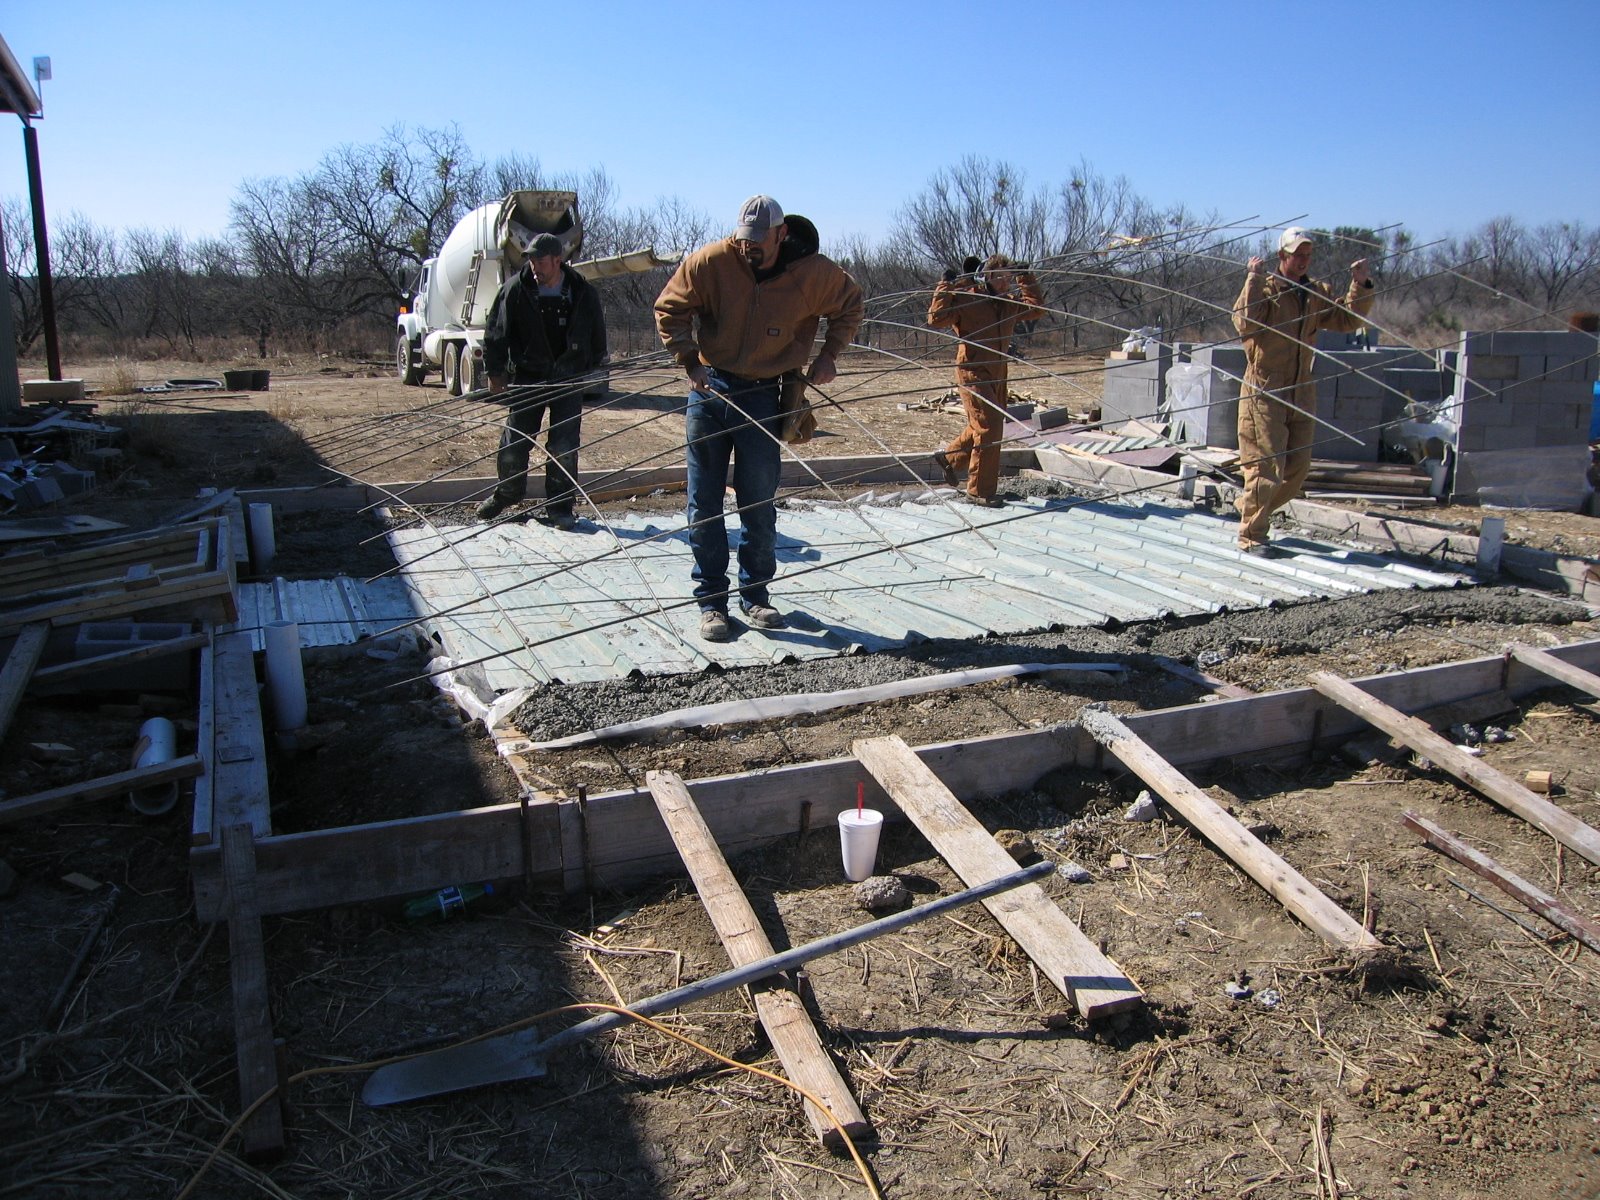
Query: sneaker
[714, 626]
[492, 508]
[941, 462]
[763, 616]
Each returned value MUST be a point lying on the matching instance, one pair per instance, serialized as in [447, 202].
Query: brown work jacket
[1279, 320]
[983, 320]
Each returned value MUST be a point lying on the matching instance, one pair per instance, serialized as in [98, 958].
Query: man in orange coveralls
[982, 310]
[1278, 315]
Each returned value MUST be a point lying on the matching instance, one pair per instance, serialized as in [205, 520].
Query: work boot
[563, 522]
[763, 616]
[941, 461]
[986, 501]
[1258, 549]
[714, 626]
[493, 507]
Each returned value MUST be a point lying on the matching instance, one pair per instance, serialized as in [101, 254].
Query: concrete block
[1531, 366]
[1559, 435]
[1471, 437]
[39, 491]
[1361, 383]
[1496, 415]
[1562, 368]
[1535, 341]
[1512, 437]
[1490, 366]
[1522, 414]
[70, 480]
[1426, 385]
[1561, 392]
[52, 391]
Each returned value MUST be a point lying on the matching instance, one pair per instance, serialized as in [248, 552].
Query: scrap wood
[1536, 898]
[1548, 664]
[121, 658]
[1244, 849]
[19, 669]
[39, 803]
[1074, 964]
[783, 1015]
[1506, 792]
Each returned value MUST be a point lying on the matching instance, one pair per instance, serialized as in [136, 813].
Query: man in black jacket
[545, 327]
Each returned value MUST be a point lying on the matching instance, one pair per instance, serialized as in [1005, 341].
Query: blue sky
[1438, 115]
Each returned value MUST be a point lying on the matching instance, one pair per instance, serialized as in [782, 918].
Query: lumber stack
[1367, 479]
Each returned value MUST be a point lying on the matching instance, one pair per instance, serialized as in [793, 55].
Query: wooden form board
[1480, 776]
[252, 1019]
[185, 767]
[121, 658]
[1536, 898]
[789, 1028]
[297, 872]
[1068, 959]
[1286, 885]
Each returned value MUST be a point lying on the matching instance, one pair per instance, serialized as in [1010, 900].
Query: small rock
[1073, 873]
[1017, 844]
[1493, 733]
[1237, 990]
[1117, 862]
[1269, 998]
[1211, 658]
[1181, 927]
[1142, 809]
[881, 894]
[1468, 735]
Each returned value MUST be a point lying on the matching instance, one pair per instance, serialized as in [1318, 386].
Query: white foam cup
[858, 841]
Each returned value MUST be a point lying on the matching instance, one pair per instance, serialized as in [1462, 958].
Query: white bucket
[858, 841]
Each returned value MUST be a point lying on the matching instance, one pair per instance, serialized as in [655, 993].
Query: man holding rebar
[983, 309]
[738, 315]
[1278, 315]
[545, 327]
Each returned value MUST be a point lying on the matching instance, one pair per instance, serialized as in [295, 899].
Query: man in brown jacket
[738, 314]
[1278, 316]
[982, 310]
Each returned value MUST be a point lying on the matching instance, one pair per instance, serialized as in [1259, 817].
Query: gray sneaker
[714, 626]
[763, 616]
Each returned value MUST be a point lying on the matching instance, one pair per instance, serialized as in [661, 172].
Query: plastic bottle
[447, 902]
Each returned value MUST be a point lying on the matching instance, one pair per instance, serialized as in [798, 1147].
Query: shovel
[521, 1055]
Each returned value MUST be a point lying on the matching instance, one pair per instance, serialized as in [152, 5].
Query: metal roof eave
[16, 90]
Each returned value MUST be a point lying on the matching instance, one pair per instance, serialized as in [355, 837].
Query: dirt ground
[1469, 1069]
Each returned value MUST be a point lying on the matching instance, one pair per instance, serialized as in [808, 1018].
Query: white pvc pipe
[263, 542]
[158, 740]
[286, 680]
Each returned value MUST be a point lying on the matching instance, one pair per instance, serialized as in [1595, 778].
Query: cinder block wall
[1514, 391]
[1134, 387]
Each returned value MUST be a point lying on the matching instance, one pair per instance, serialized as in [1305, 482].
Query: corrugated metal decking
[616, 601]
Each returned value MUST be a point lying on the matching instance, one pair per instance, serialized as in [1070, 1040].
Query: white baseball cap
[1292, 239]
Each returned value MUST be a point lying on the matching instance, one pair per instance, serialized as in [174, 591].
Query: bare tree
[976, 207]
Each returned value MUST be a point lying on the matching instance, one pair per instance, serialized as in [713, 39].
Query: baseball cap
[545, 245]
[1291, 239]
[757, 216]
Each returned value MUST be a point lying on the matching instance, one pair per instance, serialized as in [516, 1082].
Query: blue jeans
[718, 429]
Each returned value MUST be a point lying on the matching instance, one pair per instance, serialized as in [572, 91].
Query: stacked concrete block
[1520, 390]
[1134, 387]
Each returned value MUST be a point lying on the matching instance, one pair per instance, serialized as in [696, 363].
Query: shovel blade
[500, 1059]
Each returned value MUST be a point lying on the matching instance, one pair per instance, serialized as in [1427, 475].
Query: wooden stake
[1548, 664]
[1291, 889]
[1074, 964]
[1510, 794]
[1540, 901]
[783, 1016]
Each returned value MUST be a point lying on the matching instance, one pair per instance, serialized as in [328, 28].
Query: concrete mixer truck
[441, 326]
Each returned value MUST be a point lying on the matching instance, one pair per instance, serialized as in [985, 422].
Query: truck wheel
[405, 362]
[452, 369]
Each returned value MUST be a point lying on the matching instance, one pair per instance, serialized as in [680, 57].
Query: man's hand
[1257, 264]
[700, 377]
[1359, 275]
[497, 384]
[822, 372]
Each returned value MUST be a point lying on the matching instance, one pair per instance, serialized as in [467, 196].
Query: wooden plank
[1586, 682]
[121, 658]
[201, 822]
[1480, 776]
[629, 845]
[39, 803]
[1286, 885]
[239, 748]
[1536, 898]
[105, 605]
[1212, 684]
[252, 1019]
[1068, 959]
[22, 529]
[783, 1016]
[15, 675]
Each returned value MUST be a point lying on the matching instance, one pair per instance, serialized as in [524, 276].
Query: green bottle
[447, 902]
